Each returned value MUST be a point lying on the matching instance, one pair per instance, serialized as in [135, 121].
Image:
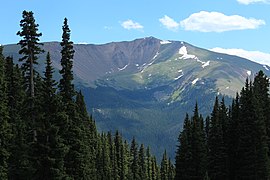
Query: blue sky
[231, 26]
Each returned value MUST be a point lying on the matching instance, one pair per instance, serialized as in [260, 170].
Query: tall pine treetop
[30, 47]
[66, 87]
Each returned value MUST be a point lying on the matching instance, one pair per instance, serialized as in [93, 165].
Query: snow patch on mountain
[155, 55]
[185, 55]
[194, 81]
[123, 68]
[179, 77]
[165, 42]
[249, 73]
[266, 68]
[182, 74]
[205, 64]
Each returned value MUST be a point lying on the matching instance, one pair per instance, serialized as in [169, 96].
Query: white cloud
[169, 23]
[247, 2]
[217, 22]
[256, 56]
[129, 24]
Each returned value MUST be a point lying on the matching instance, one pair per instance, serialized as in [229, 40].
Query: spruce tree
[134, 160]
[65, 86]
[142, 164]
[19, 160]
[50, 149]
[148, 163]
[89, 137]
[5, 129]
[164, 168]
[183, 159]
[261, 95]
[252, 151]
[119, 155]
[217, 155]
[30, 49]
[198, 145]
[233, 137]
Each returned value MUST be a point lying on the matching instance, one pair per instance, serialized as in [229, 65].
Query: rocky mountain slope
[144, 87]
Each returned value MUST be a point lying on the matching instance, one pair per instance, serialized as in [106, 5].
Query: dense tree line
[45, 130]
[233, 143]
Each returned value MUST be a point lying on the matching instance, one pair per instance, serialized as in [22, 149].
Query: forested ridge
[231, 143]
[46, 132]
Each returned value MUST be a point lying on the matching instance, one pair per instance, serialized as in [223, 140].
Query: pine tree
[252, 151]
[217, 155]
[171, 171]
[19, 160]
[142, 165]
[89, 137]
[49, 150]
[198, 145]
[183, 159]
[5, 129]
[148, 163]
[112, 154]
[119, 156]
[261, 94]
[233, 137]
[261, 106]
[164, 168]
[30, 49]
[104, 170]
[125, 154]
[134, 160]
[65, 86]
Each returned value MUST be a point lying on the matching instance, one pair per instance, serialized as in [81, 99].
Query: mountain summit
[144, 87]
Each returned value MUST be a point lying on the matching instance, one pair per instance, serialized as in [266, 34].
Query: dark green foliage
[198, 145]
[142, 164]
[46, 132]
[30, 48]
[252, 151]
[65, 86]
[217, 155]
[134, 161]
[19, 161]
[5, 129]
[164, 167]
[237, 137]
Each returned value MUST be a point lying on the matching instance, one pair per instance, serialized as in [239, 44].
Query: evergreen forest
[46, 132]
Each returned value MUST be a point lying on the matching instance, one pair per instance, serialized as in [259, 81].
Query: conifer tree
[261, 95]
[125, 154]
[19, 159]
[252, 152]
[30, 49]
[50, 149]
[164, 168]
[217, 156]
[198, 145]
[134, 160]
[119, 156]
[89, 137]
[233, 137]
[5, 129]
[65, 86]
[142, 164]
[171, 171]
[183, 159]
[148, 163]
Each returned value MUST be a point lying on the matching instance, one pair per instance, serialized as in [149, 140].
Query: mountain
[144, 87]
